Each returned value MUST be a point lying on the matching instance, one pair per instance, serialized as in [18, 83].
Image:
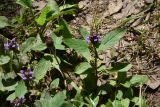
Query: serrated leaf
[27, 45]
[4, 59]
[3, 22]
[21, 89]
[25, 3]
[82, 67]
[84, 32]
[80, 46]
[41, 68]
[54, 83]
[111, 38]
[139, 79]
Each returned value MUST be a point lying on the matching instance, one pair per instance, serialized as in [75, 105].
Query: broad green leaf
[42, 103]
[117, 103]
[139, 79]
[27, 45]
[54, 83]
[4, 59]
[58, 99]
[11, 97]
[120, 67]
[25, 3]
[57, 42]
[21, 89]
[111, 38]
[82, 67]
[41, 68]
[43, 16]
[54, 61]
[66, 31]
[108, 104]
[119, 95]
[33, 43]
[53, 5]
[125, 102]
[38, 45]
[80, 46]
[127, 84]
[3, 22]
[84, 32]
[7, 88]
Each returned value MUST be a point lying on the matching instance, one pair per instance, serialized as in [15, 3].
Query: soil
[140, 46]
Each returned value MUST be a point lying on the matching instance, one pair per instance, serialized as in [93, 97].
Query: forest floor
[140, 46]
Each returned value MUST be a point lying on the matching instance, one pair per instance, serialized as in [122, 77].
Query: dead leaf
[153, 82]
[114, 6]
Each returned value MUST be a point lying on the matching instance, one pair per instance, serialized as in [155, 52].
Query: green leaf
[58, 99]
[139, 79]
[108, 104]
[33, 43]
[66, 31]
[21, 89]
[111, 39]
[3, 22]
[41, 68]
[25, 3]
[43, 16]
[38, 45]
[53, 5]
[9, 85]
[27, 45]
[119, 95]
[4, 59]
[125, 102]
[80, 46]
[67, 6]
[54, 60]
[82, 67]
[57, 42]
[11, 97]
[120, 67]
[54, 83]
[116, 103]
[84, 32]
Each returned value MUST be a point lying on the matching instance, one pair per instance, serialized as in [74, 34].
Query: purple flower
[26, 73]
[6, 46]
[12, 44]
[93, 39]
[18, 101]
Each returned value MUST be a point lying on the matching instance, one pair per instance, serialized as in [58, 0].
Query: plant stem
[54, 53]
